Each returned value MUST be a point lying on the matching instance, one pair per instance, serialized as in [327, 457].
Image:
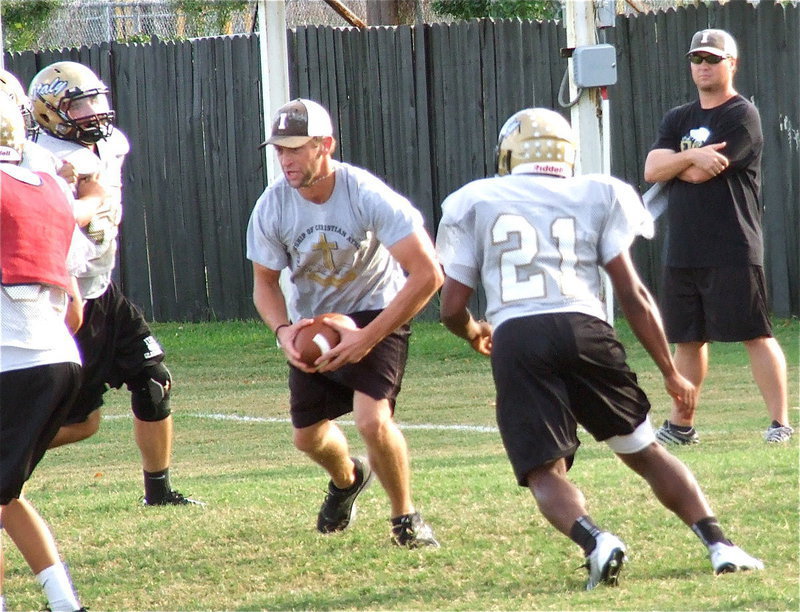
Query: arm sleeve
[390, 215]
[667, 138]
[264, 246]
[742, 134]
[455, 242]
[627, 219]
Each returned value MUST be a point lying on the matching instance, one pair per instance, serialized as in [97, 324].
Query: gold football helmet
[538, 141]
[12, 131]
[10, 86]
[71, 102]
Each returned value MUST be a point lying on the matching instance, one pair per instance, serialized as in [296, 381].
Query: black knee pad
[150, 393]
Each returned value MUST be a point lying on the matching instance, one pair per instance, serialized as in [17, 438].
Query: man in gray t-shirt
[353, 246]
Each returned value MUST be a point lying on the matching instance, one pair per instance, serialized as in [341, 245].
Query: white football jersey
[32, 329]
[537, 242]
[38, 159]
[103, 229]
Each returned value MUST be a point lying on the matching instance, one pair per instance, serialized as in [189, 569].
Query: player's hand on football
[286, 336]
[87, 185]
[683, 392]
[68, 173]
[354, 344]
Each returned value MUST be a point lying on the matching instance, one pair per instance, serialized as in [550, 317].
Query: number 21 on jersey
[520, 287]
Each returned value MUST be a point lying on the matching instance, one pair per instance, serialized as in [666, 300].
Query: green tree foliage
[24, 21]
[498, 9]
[210, 17]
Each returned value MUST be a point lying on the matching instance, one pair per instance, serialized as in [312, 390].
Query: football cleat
[411, 531]
[779, 433]
[667, 435]
[605, 562]
[726, 558]
[338, 510]
[173, 498]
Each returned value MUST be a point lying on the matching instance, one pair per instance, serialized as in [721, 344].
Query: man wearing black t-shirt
[709, 151]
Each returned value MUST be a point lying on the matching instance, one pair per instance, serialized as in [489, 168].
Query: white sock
[2, 604]
[58, 588]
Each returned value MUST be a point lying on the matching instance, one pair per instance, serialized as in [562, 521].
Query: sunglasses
[709, 59]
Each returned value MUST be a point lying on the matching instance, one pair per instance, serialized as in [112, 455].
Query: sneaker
[778, 433]
[667, 434]
[339, 508]
[605, 561]
[726, 558]
[411, 531]
[174, 498]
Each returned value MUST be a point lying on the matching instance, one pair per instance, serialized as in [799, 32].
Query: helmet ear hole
[504, 163]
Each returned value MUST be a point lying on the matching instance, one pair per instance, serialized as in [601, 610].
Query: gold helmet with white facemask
[70, 102]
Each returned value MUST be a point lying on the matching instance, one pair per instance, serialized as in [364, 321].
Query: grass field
[255, 546]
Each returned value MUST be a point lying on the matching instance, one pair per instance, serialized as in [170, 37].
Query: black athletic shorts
[553, 371]
[329, 395]
[33, 404]
[116, 344]
[715, 304]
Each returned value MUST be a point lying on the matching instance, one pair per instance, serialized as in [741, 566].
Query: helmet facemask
[32, 128]
[10, 85]
[86, 115]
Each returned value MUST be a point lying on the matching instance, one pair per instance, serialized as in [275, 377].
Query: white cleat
[728, 558]
[605, 561]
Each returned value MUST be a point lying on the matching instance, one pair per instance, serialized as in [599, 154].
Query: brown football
[318, 338]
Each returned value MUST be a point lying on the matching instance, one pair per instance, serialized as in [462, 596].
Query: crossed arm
[696, 165]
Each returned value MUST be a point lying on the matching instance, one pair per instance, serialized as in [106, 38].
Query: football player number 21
[533, 285]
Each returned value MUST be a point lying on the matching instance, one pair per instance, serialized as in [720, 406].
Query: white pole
[594, 152]
[275, 93]
[274, 68]
[581, 32]
[608, 290]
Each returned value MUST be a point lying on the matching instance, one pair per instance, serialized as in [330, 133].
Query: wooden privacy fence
[420, 107]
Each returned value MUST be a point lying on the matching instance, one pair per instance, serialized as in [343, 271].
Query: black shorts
[715, 304]
[116, 344]
[33, 405]
[553, 371]
[315, 397]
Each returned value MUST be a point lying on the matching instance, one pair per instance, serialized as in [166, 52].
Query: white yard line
[252, 419]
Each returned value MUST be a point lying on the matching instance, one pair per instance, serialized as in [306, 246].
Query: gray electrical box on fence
[594, 66]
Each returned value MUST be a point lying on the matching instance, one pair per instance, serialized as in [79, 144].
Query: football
[318, 338]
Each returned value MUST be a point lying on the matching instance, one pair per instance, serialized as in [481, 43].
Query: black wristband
[275, 331]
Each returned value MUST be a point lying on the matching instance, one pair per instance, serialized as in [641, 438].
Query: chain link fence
[86, 22]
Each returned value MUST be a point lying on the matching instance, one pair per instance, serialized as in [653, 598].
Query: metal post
[274, 67]
[590, 116]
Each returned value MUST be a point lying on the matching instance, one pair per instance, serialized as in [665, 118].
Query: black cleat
[338, 510]
[411, 531]
[173, 498]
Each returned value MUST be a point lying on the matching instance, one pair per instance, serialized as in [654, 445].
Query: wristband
[275, 331]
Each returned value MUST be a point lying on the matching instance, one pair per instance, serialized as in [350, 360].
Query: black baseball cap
[297, 122]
